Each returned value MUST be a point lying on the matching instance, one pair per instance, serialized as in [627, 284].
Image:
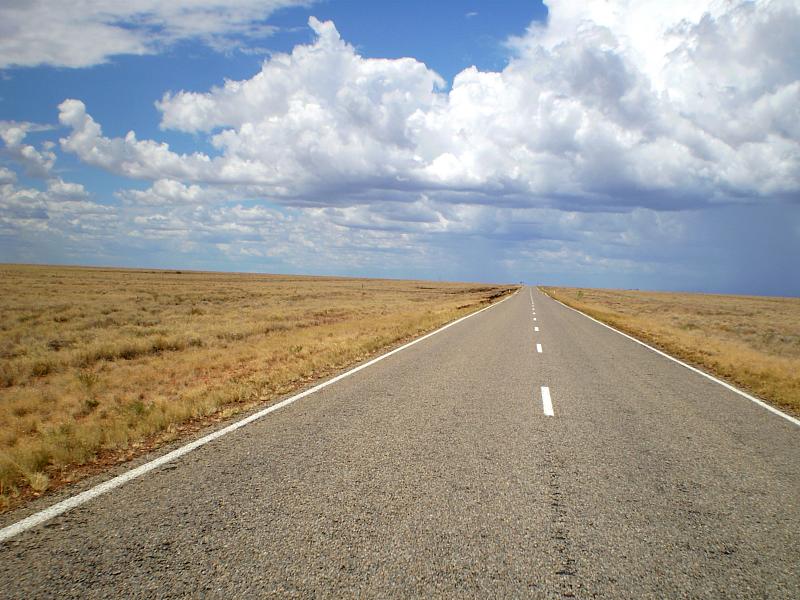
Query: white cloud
[581, 157]
[128, 156]
[7, 176]
[168, 192]
[170, 220]
[51, 32]
[58, 188]
[61, 212]
[610, 106]
[37, 163]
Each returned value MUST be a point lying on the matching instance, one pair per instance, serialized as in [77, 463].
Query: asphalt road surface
[436, 472]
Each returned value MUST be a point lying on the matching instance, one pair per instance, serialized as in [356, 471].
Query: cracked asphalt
[435, 473]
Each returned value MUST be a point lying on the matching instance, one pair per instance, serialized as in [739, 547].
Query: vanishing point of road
[526, 451]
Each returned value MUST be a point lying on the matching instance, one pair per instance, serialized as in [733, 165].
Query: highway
[524, 452]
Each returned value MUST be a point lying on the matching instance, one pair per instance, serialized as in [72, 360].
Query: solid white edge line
[100, 489]
[724, 384]
[547, 403]
[539, 348]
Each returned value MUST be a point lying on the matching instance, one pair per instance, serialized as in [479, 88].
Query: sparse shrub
[88, 379]
[243, 393]
[146, 322]
[59, 343]
[38, 481]
[89, 405]
[42, 366]
[138, 408]
[31, 459]
[21, 411]
[162, 344]
[129, 351]
[232, 336]
[8, 374]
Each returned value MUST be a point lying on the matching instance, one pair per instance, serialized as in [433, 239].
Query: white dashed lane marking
[547, 403]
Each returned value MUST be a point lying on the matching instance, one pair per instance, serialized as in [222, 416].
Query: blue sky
[611, 144]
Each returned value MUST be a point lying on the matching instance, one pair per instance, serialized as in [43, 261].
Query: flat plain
[750, 341]
[437, 473]
[98, 365]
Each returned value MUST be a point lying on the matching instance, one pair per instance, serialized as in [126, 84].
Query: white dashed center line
[547, 403]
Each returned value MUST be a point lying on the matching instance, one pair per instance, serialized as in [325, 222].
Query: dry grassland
[752, 342]
[97, 365]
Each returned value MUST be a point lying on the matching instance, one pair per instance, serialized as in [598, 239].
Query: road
[436, 472]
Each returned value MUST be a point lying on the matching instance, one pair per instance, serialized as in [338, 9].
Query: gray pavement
[435, 473]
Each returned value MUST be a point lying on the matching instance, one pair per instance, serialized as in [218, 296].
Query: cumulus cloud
[51, 32]
[58, 188]
[37, 163]
[623, 142]
[7, 176]
[191, 225]
[607, 107]
[169, 192]
[62, 212]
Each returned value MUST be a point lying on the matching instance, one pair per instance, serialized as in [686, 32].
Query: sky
[606, 143]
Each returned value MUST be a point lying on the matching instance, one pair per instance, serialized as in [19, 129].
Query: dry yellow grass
[750, 341]
[100, 362]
